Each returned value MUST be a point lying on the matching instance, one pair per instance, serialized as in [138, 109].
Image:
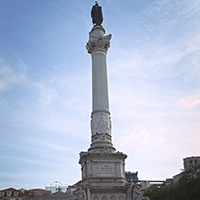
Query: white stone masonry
[100, 119]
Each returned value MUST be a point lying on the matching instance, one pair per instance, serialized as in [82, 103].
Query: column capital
[97, 40]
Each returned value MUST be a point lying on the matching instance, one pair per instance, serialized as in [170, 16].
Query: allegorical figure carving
[100, 124]
[96, 14]
[79, 194]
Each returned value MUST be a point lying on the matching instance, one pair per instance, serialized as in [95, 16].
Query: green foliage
[3, 198]
[188, 188]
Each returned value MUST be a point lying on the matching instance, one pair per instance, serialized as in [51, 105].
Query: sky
[46, 97]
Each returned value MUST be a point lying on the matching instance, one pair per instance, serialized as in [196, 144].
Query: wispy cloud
[142, 140]
[46, 95]
[191, 102]
[9, 77]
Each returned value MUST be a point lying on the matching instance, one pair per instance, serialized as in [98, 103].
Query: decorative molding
[101, 137]
[98, 42]
[112, 198]
[95, 197]
[104, 198]
[103, 150]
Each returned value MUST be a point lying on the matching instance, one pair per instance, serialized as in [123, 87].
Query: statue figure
[79, 194]
[96, 14]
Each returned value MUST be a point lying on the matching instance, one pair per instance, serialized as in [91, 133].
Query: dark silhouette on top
[96, 14]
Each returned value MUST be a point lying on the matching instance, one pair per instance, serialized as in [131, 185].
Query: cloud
[47, 94]
[9, 77]
[142, 140]
[190, 102]
[193, 52]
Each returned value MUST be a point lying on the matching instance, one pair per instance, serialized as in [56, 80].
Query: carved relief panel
[101, 123]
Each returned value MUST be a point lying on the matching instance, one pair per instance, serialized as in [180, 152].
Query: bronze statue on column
[96, 14]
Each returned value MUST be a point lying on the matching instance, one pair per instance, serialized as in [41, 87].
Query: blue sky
[45, 87]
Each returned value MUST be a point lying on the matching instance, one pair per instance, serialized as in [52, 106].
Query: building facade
[191, 162]
[11, 194]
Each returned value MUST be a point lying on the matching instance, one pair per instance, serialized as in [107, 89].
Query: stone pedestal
[103, 168]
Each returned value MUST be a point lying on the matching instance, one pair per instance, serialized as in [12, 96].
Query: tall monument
[103, 168]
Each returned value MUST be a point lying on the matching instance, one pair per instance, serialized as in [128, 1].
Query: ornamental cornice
[102, 152]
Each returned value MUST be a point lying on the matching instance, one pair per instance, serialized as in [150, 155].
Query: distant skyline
[45, 87]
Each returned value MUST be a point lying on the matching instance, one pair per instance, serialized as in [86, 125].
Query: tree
[188, 188]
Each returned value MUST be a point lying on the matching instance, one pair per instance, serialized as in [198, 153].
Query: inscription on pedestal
[106, 168]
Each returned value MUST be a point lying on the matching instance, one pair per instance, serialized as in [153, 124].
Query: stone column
[97, 46]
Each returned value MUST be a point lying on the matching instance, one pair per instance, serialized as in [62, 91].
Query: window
[9, 193]
[1, 194]
[15, 194]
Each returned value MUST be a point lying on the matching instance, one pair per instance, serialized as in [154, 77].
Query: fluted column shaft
[99, 82]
